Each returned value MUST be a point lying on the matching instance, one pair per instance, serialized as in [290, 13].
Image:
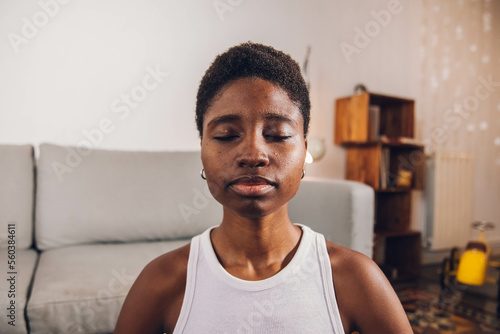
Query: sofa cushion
[105, 196]
[25, 261]
[80, 289]
[16, 194]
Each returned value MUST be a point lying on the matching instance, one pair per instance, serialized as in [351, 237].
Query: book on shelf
[384, 167]
[373, 122]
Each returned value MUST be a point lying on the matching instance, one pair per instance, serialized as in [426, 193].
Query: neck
[250, 245]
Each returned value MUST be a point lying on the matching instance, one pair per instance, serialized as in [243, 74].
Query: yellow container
[403, 178]
[472, 267]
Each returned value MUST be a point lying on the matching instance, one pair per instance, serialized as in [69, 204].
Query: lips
[252, 186]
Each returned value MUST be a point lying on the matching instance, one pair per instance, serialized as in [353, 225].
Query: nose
[252, 152]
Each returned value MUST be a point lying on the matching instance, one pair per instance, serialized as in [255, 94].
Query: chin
[253, 209]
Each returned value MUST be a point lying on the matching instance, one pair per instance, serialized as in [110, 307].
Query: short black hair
[253, 60]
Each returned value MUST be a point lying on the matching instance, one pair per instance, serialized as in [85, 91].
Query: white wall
[65, 78]
[67, 73]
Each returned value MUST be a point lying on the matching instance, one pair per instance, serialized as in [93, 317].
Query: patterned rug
[428, 315]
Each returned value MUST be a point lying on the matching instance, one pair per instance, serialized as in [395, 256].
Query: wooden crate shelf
[352, 117]
[377, 132]
[399, 254]
[364, 163]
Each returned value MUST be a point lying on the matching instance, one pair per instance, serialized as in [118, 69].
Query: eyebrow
[231, 118]
[278, 117]
[223, 119]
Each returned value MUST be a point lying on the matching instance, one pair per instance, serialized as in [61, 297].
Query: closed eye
[278, 138]
[226, 138]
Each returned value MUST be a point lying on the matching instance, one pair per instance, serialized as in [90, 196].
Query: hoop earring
[202, 174]
[303, 174]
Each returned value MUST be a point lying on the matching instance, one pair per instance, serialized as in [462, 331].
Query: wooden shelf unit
[399, 254]
[352, 117]
[377, 132]
[364, 162]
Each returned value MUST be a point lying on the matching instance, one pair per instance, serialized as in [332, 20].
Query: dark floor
[482, 298]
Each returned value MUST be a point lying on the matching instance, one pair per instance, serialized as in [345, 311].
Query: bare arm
[367, 301]
[153, 303]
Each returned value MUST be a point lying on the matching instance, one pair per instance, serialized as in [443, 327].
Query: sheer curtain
[459, 99]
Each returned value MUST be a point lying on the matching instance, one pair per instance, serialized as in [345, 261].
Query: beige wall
[460, 93]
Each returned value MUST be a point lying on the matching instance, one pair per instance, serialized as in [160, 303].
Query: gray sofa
[84, 222]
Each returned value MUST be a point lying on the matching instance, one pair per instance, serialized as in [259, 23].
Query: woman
[257, 272]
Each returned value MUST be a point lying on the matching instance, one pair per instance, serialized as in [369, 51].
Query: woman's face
[253, 147]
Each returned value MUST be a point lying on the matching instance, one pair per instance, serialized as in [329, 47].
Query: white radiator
[449, 200]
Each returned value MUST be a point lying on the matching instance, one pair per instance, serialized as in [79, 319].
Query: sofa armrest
[343, 211]
[17, 173]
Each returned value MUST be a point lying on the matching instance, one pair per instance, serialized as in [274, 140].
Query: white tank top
[300, 298]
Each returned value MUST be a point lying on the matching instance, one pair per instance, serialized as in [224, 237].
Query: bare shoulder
[347, 262]
[366, 300]
[154, 301]
[167, 268]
